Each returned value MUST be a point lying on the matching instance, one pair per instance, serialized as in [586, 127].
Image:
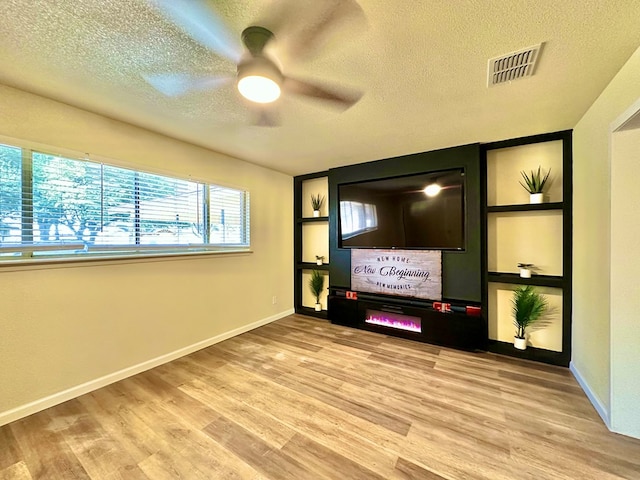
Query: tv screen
[424, 211]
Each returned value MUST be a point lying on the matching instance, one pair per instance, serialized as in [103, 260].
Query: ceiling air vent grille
[512, 66]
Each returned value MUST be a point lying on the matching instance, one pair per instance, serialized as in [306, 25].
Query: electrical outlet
[274, 300]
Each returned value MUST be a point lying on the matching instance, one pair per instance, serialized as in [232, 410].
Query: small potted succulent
[316, 204]
[525, 269]
[319, 259]
[534, 183]
[528, 306]
[316, 285]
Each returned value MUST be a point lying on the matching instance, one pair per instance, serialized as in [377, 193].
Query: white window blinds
[48, 201]
[357, 217]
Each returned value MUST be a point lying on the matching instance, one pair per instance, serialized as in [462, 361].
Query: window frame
[30, 252]
[369, 213]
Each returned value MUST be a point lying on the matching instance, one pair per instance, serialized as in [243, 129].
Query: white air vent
[513, 65]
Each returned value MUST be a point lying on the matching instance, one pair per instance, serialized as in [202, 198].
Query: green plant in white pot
[316, 285]
[534, 183]
[316, 203]
[525, 269]
[528, 306]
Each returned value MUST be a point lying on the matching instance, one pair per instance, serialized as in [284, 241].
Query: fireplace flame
[394, 320]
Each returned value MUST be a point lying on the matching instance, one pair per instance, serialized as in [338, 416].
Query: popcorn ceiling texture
[422, 67]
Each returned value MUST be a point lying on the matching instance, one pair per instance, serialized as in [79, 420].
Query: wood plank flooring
[303, 399]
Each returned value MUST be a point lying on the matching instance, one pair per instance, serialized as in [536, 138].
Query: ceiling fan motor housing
[255, 38]
[260, 67]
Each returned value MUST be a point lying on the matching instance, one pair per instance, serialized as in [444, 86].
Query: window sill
[135, 257]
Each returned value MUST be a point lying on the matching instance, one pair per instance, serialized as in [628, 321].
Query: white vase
[525, 273]
[536, 197]
[520, 343]
[318, 307]
[316, 213]
[319, 262]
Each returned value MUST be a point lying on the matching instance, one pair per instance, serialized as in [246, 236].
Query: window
[357, 218]
[51, 205]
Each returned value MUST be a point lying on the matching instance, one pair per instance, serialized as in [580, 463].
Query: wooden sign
[407, 273]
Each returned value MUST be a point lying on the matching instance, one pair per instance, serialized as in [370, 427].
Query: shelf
[312, 219]
[525, 207]
[514, 278]
[531, 353]
[311, 312]
[312, 266]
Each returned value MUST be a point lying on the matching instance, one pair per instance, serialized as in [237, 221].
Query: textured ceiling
[421, 65]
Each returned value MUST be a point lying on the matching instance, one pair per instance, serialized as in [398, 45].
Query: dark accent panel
[462, 271]
[343, 311]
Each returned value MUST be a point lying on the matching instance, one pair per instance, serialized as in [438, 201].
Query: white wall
[64, 325]
[592, 235]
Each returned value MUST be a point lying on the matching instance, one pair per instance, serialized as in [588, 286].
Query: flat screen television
[424, 211]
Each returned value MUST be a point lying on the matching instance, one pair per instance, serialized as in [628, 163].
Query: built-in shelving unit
[540, 234]
[526, 207]
[516, 279]
[311, 238]
[503, 230]
[313, 220]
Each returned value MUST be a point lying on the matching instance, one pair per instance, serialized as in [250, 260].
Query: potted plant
[528, 308]
[316, 204]
[534, 183]
[316, 285]
[319, 259]
[525, 269]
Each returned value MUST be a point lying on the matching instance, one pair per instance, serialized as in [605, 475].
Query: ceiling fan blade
[176, 84]
[338, 96]
[304, 25]
[201, 23]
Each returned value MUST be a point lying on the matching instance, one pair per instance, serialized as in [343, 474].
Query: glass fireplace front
[394, 320]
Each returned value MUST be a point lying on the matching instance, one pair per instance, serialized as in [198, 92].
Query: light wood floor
[303, 399]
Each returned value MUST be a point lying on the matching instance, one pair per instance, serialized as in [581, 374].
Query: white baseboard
[73, 392]
[593, 398]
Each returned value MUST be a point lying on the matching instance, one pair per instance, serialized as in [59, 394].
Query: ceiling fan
[259, 76]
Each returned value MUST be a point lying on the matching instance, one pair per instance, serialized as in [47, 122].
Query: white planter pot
[318, 307]
[536, 197]
[520, 343]
[316, 213]
[525, 273]
[318, 262]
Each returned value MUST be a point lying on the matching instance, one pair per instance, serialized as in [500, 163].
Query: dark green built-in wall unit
[477, 275]
[462, 270]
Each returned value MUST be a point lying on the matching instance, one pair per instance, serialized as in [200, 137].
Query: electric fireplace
[394, 320]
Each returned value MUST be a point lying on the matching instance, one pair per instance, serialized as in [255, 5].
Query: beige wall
[68, 324]
[625, 287]
[592, 232]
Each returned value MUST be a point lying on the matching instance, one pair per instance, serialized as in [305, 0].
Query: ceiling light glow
[259, 89]
[432, 190]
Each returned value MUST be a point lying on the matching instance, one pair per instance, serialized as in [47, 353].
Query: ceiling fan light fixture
[259, 80]
[259, 89]
[432, 190]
